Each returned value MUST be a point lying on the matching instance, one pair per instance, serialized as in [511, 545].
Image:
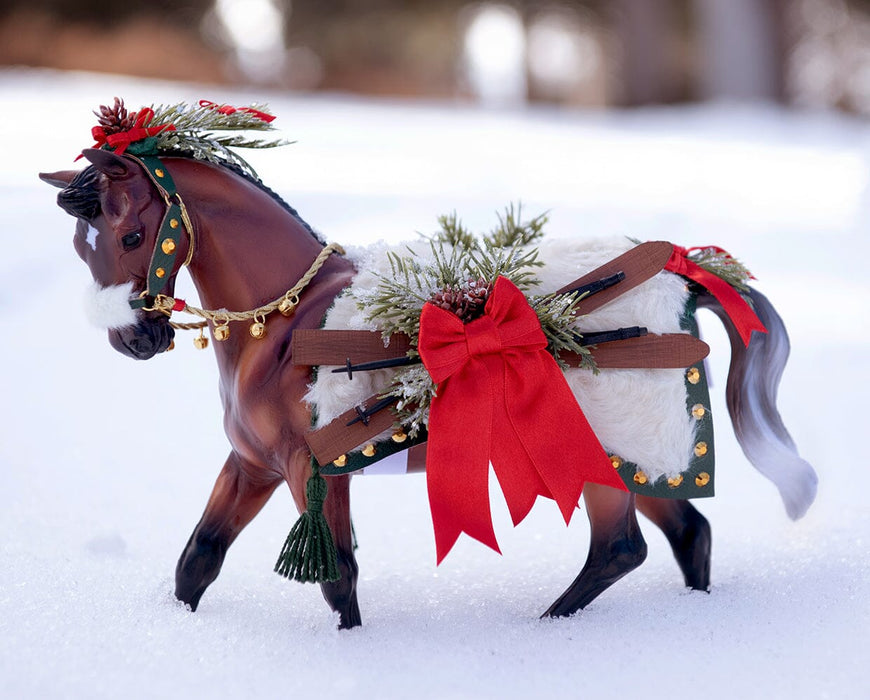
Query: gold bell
[200, 342]
[369, 450]
[702, 479]
[258, 329]
[221, 332]
[341, 461]
[288, 305]
[399, 436]
[640, 477]
[675, 481]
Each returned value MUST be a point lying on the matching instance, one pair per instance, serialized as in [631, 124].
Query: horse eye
[131, 240]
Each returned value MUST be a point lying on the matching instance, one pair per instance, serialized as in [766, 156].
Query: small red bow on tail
[501, 398]
[120, 140]
[738, 310]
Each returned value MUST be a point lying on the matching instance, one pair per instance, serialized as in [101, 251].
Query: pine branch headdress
[185, 129]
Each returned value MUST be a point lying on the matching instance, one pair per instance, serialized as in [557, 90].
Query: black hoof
[604, 567]
[692, 552]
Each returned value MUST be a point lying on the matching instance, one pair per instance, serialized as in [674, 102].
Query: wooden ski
[345, 347]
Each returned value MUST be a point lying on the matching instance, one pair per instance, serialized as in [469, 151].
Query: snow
[106, 464]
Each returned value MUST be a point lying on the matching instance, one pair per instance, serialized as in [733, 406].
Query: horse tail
[753, 380]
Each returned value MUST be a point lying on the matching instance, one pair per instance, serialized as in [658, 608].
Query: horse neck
[248, 249]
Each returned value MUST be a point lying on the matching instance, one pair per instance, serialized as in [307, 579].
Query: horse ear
[112, 166]
[60, 179]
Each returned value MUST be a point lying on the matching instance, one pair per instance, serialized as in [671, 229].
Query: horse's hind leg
[234, 502]
[341, 594]
[616, 547]
[688, 533]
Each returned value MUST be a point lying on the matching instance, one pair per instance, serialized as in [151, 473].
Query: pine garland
[186, 129]
[461, 261]
[194, 124]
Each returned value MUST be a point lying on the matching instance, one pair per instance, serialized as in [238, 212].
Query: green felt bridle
[175, 221]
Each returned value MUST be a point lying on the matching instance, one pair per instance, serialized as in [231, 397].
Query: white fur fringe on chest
[639, 414]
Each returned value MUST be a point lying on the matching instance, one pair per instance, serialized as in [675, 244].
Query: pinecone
[467, 302]
[115, 119]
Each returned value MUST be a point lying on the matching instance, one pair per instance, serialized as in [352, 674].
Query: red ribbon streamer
[739, 311]
[501, 398]
[229, 109]
[120, 140]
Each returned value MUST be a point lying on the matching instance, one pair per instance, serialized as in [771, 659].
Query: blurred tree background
[589, 53]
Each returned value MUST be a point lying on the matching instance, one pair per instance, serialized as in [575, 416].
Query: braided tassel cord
[309, 554]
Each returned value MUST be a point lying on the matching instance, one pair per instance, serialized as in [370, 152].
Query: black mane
[81, 197]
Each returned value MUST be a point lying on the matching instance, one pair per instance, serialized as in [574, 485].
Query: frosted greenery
[194, 127]
[458, 257]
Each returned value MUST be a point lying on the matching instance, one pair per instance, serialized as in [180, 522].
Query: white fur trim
[109, 307]
[638, 414]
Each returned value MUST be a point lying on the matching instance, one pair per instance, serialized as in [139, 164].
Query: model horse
[248, 247]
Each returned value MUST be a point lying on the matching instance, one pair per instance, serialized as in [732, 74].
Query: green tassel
[309, 554]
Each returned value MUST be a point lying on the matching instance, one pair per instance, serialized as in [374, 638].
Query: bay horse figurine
[244, 246]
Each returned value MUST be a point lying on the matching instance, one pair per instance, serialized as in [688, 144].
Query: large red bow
[739, 311]
[120, 140]
[501, 398]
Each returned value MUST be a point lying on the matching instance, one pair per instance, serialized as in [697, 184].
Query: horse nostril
[142, 346]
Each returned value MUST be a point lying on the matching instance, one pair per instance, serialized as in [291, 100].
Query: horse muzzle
[143, 340]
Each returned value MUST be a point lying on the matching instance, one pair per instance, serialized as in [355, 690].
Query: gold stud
[702, 479]
[693, 375]
[160, 272]
[700, 449]
[341, 461]
[369, 450]
[159, 172]
[698, 411]
[168, 246]
[640, 477]
[258, 330]
[675, 481]
[221, 332]
[616, 461]
[200, 342]
[399, 436]
[173, 223]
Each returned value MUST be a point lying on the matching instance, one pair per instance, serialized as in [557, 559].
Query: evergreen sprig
[458, 257]
[724, 266]
[194, 125]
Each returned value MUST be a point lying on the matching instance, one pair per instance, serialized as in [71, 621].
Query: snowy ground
[102, 478]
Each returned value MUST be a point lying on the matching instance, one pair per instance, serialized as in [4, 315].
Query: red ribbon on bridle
[738, 309]
[501, 398]
[120, 140]
[229, 109]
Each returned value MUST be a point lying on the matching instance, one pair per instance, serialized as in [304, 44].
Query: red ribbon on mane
[120, 140]
[229, 109]
[501, 398]
[738, 310]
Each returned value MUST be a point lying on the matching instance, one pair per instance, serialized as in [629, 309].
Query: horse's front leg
[235, 500]
[341, 594]
[616, 547]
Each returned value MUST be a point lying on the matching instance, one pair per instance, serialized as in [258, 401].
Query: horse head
[120, 212]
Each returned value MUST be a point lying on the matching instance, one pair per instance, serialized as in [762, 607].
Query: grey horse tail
[753, 381]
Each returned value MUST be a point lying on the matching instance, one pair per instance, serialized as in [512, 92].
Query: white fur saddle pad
[638, 414]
